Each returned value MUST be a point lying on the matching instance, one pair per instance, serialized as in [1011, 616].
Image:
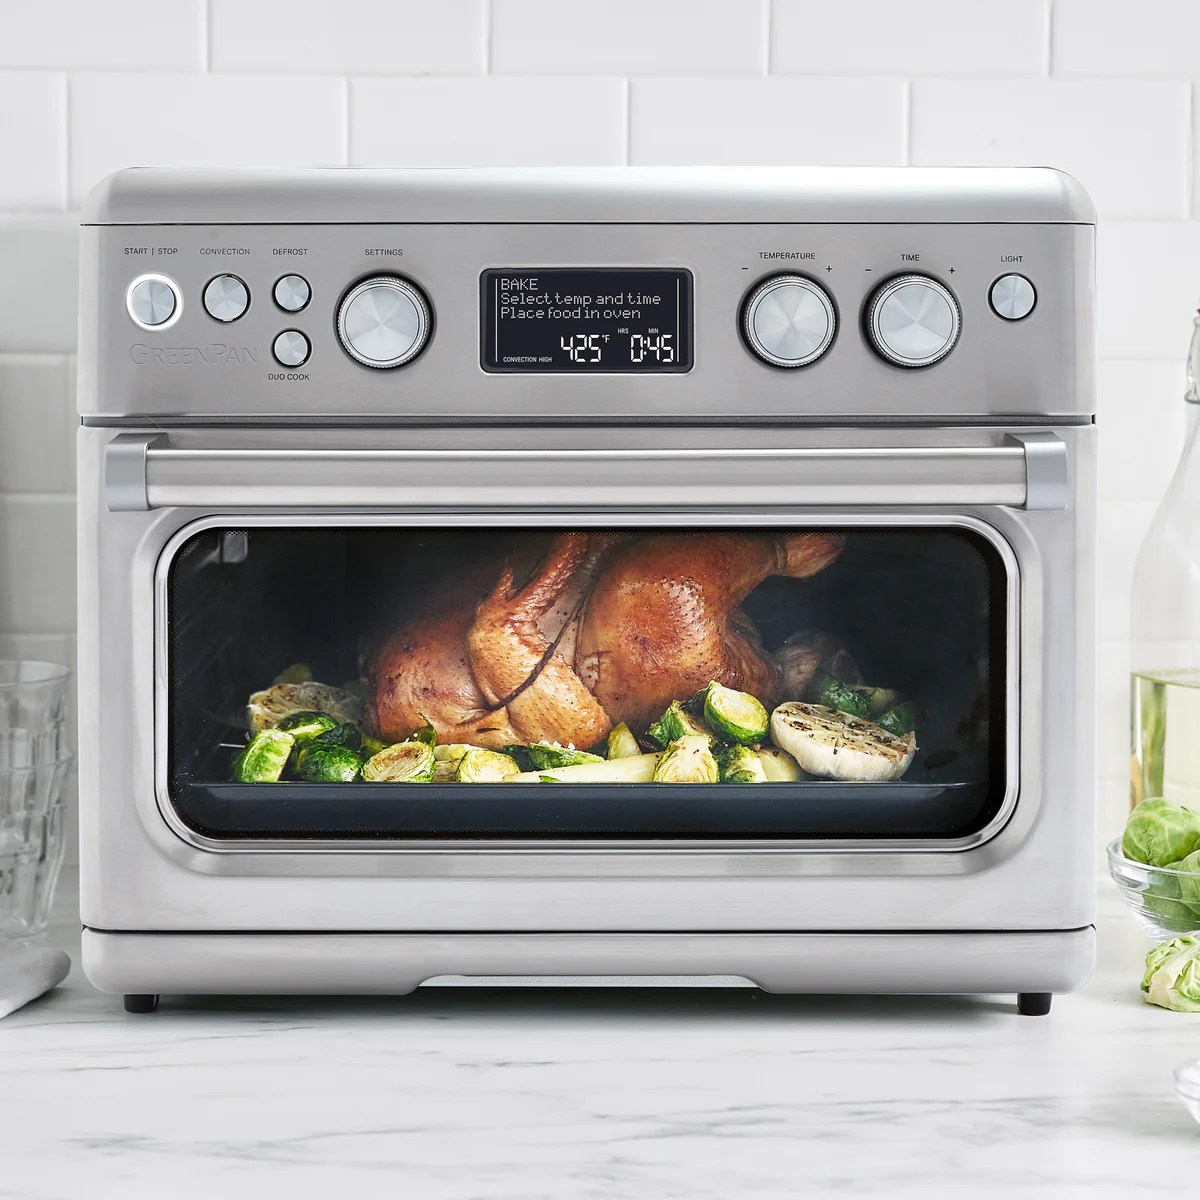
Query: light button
[226, 298]
[1012, 297]
[153, 302]
[291, 348]
[292, 293]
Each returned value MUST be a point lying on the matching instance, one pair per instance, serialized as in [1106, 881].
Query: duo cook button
[291, 348]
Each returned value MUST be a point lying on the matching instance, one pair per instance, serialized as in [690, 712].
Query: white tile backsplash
[1128, 138]
[365, 37]
[237, 120]
[782, 121]
[919, 38]
[124, 35]
[629, 37]
[485, 122]
[1105, 90]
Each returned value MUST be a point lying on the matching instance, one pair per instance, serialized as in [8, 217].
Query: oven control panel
[620, 322]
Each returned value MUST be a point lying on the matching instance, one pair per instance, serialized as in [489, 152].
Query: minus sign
[867, 269]
[745, 268]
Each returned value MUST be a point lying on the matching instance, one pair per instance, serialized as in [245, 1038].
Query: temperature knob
[789, 321]
[384, 321]
[913, 321]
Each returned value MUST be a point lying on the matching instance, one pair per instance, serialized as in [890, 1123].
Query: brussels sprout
[329, 763]
[405, 762]
[426, 734]
[687, 760]
[549, 756]
[779, 766]
[1160, 832]
[304, 726]
[879, 700]
[264, 758]
[1172, 978]
[636, 768]
[675, 723]
[737, 716]
[372, 746]
[900, 719]
[340, 735]
[835, 694]
[267, 708]
[740, 764]
[622, 743]
[452, 751]
[520, 755]
[485, 766]
[1177, 896]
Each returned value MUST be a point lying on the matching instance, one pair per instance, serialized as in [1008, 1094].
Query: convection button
[1012, 297]
[788, 321]
[384, 321]
[153, 302]
[226, 298]
[292, 293]
[912, 321]
[291, 348]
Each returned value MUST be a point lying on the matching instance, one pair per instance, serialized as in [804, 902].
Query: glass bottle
[1165, 634]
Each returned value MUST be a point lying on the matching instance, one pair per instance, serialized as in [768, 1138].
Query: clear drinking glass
[33, 713]
[31, 844]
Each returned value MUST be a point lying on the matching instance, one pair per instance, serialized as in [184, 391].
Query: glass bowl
[1166, 903]
[1187, 1084]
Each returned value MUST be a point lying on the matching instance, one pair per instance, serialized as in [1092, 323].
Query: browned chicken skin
[606, 628]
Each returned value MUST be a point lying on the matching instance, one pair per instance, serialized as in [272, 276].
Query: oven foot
[1034, 1004]
[141, 1002]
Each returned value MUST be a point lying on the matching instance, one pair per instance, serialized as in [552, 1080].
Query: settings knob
[913, 321]
[384, 321]
[788, 321]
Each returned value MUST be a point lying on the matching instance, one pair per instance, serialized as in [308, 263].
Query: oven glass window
[382, 682]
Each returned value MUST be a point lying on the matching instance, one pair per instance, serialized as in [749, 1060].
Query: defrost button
[292, 293]
[291, 348]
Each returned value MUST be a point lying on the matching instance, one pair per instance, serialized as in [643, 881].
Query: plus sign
[829, 268]
[951, 270]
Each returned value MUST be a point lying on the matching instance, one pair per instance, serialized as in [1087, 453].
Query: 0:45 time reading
[589, 347]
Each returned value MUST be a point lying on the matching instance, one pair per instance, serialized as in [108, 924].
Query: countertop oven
[523, 482]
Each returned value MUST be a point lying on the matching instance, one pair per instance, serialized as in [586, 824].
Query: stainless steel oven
[598, 573]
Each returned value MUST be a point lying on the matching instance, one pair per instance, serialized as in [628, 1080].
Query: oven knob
[291, 348]
[226, 298]
[913, 321]
[788, 321]
[153, 302]
[384, 321]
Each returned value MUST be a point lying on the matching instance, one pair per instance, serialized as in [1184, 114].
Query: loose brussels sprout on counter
[1172, 978]
[264, 758]
[329, 763]
[304, 726]
[1160, 832]
[486, 766]
[740, 764]
[687, 760]
[622, 743]
[546, 756]
[405, 762]
[735, 715]
[675, 723]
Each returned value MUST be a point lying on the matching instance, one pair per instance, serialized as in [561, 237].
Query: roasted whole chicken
[605, 628]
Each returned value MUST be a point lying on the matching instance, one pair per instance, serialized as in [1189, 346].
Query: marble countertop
[647, 1093]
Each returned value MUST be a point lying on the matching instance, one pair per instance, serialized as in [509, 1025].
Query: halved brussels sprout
[485, 766]
[451, 752]
[779, 766]
[880, 700]
[622, 743]
[842, 697]
[740, 764]
[340, 735]
[674, 724]
[1172, 977]
[328, 764]
[900, 719]
[264, 758]
[267, 708]
[405, 762]
[687, 760]
[548, 756]
[735, 715]
[304, 726]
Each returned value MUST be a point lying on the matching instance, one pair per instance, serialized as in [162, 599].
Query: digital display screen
[587, 320]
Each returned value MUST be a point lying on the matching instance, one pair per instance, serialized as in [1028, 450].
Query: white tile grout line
[770, 31]
[627, 95]
[906, 121]
[66, 141]
[205, 37]
[346, 121]
[489, 22]
[1049, 37]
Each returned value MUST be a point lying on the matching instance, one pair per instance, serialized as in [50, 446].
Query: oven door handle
[144, 471]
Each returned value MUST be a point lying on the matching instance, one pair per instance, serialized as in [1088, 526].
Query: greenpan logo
[217, 354]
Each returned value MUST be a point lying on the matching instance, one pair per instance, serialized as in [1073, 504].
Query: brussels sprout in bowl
[1165, 900]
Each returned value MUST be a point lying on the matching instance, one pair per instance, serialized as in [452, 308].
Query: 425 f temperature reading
[589, 347]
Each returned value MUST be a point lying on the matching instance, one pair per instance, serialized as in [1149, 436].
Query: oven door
[519, 610]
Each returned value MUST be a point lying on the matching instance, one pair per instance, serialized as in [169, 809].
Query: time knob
[912, 321]
[384, 321]
[788, 321]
